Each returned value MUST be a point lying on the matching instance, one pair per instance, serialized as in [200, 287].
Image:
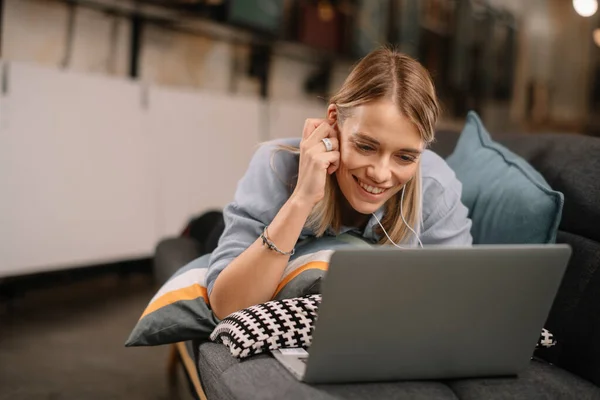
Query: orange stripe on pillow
[322, 265]
[187, 293]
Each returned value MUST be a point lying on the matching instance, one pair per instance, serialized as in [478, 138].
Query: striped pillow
[180, 310]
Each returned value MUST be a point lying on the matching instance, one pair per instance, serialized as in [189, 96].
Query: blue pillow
[508, 200]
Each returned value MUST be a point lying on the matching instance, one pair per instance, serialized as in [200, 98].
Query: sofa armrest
[172, 254]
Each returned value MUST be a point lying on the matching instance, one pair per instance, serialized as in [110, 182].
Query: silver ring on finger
[327, 143]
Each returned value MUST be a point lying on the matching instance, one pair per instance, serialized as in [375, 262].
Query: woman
[364, 169]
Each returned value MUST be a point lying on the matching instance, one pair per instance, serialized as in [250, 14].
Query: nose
[379, 171]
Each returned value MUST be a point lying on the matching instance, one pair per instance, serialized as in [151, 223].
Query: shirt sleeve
[445, 217]
[259, 196]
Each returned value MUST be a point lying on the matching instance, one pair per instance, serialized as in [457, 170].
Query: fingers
[317, 129]
[333, 166]
[323, 131]
[335, 144]
[310, 125]
[330, 160]
[319, 147]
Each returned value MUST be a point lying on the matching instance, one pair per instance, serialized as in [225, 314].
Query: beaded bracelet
[271, 246]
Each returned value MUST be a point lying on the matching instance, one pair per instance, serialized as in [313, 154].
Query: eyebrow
[367, 138]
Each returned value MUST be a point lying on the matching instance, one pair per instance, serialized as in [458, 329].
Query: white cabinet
[202, 144]
[75, 181]
[95, 169]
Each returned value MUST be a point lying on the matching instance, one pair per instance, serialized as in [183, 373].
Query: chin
[363, 207]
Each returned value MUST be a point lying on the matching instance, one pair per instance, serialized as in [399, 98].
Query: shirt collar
[369, 231]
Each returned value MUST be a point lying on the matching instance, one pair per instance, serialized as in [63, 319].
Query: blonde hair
[384, 73]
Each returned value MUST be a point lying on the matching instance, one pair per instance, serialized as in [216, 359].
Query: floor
[66, 342]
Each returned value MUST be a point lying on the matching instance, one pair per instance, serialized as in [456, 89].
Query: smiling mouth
[368, 188]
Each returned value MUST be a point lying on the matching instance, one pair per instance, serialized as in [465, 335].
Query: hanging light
[585, 8]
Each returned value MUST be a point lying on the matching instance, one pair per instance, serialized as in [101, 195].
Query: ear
[332, 116]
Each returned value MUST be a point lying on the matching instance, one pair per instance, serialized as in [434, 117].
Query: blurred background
[121, 120]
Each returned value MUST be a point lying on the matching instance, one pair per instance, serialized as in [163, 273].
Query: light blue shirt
[269, 181]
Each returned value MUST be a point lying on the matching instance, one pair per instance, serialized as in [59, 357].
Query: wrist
[300, 205]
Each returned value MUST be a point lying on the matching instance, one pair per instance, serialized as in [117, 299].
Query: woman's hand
[315, 161]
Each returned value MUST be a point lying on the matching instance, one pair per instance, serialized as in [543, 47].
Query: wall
[571, 64]
[535, 44]
[35, 31]
[555, 50]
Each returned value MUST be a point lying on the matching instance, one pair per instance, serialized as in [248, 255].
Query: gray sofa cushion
[262, 377]
[539, 381]
[575, 315]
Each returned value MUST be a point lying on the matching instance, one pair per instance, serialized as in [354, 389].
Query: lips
[372, 190]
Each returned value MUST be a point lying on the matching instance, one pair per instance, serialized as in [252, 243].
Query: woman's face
[380, 150]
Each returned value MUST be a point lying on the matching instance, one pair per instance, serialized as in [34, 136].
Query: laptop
[432, 313]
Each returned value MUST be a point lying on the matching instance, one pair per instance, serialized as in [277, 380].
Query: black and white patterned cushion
[273, 325]
[287, 323]
[547, 348]
[546, 340]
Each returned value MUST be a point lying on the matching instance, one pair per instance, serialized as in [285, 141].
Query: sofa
[570, 370]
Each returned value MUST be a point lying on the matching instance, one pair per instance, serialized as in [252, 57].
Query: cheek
[405, 173]
[349, 160]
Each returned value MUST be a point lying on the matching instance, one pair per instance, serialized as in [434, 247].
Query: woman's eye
[406, 158]
[365, 147]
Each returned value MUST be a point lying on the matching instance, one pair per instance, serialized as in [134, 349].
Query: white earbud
[403, 220]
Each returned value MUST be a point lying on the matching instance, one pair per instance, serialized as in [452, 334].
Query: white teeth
[371, 189]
